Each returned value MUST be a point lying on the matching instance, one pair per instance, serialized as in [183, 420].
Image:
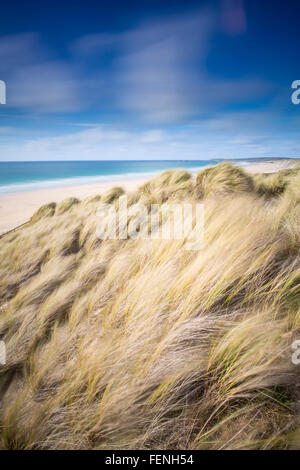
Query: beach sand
[17, 208]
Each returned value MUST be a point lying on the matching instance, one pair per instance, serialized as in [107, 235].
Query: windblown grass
[171, 184]
[223, 178]
[112, 194]
[90, 199]
[129, 344]
[270, 185]
[47, 210]
[66, 205]
[275, 184]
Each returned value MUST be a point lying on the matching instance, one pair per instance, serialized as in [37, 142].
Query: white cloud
[158, 69]
[34, 80]
[46, 87]
[19, 50]
[155, 72]
[152, 136]
[204, 139]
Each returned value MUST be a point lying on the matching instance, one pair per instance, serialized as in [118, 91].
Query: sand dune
[142, 343]
[17, 208]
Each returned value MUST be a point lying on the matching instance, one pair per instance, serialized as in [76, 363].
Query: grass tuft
[170, 184]
[46, 210]
[112, 194]
[223, 178]
[66, 205]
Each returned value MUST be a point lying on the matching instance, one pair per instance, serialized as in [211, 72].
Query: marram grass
[47, 210]
[130, 344]
[223, 178]
[66, 205]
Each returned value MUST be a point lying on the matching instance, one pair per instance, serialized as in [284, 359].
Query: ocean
[29, 176]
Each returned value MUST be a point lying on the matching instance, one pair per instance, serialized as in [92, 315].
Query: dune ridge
[131, 344]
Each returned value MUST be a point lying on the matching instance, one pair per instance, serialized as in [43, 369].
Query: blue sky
[149, 80]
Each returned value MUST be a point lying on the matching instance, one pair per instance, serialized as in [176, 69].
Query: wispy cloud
[153, 76]
[155, 72]
[158, 69]
[46, 87]
[221, 136]
[34, 79]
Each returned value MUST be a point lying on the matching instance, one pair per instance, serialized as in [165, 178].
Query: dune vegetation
[223, 178]
[141, 344]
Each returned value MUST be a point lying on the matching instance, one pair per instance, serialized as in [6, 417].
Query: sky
[134, 80]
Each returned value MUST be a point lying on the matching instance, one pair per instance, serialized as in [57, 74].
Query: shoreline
[17, 208]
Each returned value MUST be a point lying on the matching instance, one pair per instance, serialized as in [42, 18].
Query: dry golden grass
[46, 210]
[66, 205]
[171, 184]
[112, 194]
[129, 344]
[223, 179]
[270, 185]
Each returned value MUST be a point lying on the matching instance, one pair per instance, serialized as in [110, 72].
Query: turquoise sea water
[28, 176]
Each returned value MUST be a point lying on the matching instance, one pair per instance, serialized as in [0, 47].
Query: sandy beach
[17, 208]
